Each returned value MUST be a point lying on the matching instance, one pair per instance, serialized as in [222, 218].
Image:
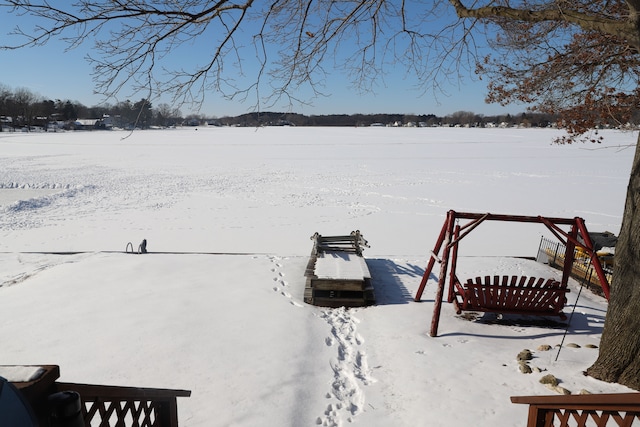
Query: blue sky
[54, 73]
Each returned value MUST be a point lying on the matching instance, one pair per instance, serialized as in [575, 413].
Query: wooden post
[569, 255]
[454, 263]
[432, 260]
[168, 412]
[595, 261]
[437, 306]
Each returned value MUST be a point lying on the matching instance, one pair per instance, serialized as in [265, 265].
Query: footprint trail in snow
[350, 368]
[280, 284]
[346, 398]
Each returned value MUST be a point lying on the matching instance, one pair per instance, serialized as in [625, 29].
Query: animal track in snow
[350, 367]
[280, 282]
[26, 275]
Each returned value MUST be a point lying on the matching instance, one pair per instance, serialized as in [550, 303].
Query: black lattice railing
[589, 410]
[111, 406]
[576, 418]
[135, 413]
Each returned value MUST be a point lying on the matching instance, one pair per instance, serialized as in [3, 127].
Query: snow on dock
[337, 273]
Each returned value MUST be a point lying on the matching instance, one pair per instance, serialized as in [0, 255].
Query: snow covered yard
[220, 311]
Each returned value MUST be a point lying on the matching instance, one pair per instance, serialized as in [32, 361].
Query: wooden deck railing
[103, 405]
[597, 410]
[107, 406]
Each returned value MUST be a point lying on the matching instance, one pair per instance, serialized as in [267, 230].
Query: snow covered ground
[216, 307]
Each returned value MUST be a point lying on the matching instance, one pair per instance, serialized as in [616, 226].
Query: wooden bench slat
[534, 296]
[525, 302]
[554, 299]
[514, 294]
[511, 294]
[504, 294]
[471, 299]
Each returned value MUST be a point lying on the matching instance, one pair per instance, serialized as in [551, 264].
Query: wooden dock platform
[337, 273]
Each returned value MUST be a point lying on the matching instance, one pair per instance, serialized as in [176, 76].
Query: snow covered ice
[216, 307]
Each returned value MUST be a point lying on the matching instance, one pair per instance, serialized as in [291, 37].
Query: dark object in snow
[65, 409]
[142, 248]
[604, 239]
[524, 355]
[549, 379]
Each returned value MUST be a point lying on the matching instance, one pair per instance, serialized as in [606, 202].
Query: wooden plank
[339, 302]
[529, 302]
[492, 292]
[554, 295]
[521, 288]
[604, 401]
[471, 294]
[459, 296]
[486, 292]
[337, 274]
[331, 285]
[581, 410]
[364, 268]
[528, 295]
[308, 295]
[109, 392]
[523, 302]
[513, 293]
[505, 292]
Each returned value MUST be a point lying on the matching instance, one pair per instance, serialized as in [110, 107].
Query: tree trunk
[619, 357]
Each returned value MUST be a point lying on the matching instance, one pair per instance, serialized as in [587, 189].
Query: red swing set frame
[505, 295]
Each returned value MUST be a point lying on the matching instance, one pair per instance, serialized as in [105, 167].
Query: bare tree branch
[624, 28]
[296, 44]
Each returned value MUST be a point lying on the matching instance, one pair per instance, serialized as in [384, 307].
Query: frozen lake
[268, 190]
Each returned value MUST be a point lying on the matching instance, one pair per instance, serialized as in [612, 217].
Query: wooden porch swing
[500, 293]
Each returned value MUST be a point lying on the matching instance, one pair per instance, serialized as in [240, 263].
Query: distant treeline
[460, 118]
[22, 108]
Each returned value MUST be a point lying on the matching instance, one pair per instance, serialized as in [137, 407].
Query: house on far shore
[6, 123]
[93, 124]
